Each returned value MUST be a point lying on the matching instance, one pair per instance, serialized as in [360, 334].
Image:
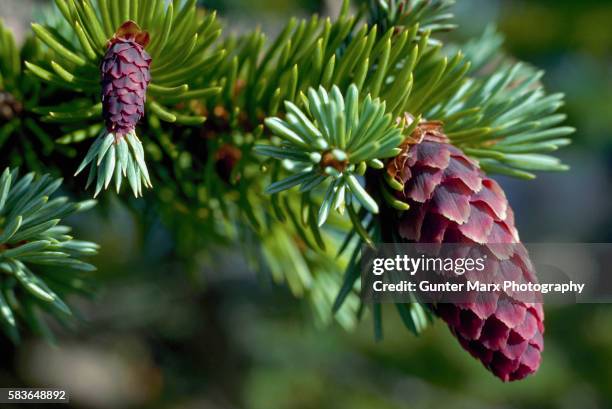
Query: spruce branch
[304, 86]
[40, 262]
[256, 79]
[332, 143]
[502, 116]
[24, 139]
[404, 69]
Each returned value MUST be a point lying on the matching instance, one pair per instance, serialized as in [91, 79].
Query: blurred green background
[226, 338]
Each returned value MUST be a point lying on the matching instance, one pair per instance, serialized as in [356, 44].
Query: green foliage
[24, 140]
[430, 15]
[119, 157]
[40, 262]
[334, 142]
[309, 272]
[403, 69]
[10, 63]
[319, 106]
[503, 117]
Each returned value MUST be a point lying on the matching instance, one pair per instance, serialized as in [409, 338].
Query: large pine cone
[452, 201]
[125, 78]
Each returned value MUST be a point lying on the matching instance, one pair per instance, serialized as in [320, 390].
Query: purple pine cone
[126, 74]
[452, 201]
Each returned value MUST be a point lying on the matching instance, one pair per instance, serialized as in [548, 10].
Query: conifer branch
[24, 139]
[233, 123]
[502, 116]
[40, 262]
[333, 144]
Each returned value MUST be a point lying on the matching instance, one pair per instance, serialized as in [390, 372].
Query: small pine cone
[452, 201]
[9, 106]
[125, 72]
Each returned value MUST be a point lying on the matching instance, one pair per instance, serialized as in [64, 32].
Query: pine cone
[117, 151]
[452, 201]
[125, 78]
